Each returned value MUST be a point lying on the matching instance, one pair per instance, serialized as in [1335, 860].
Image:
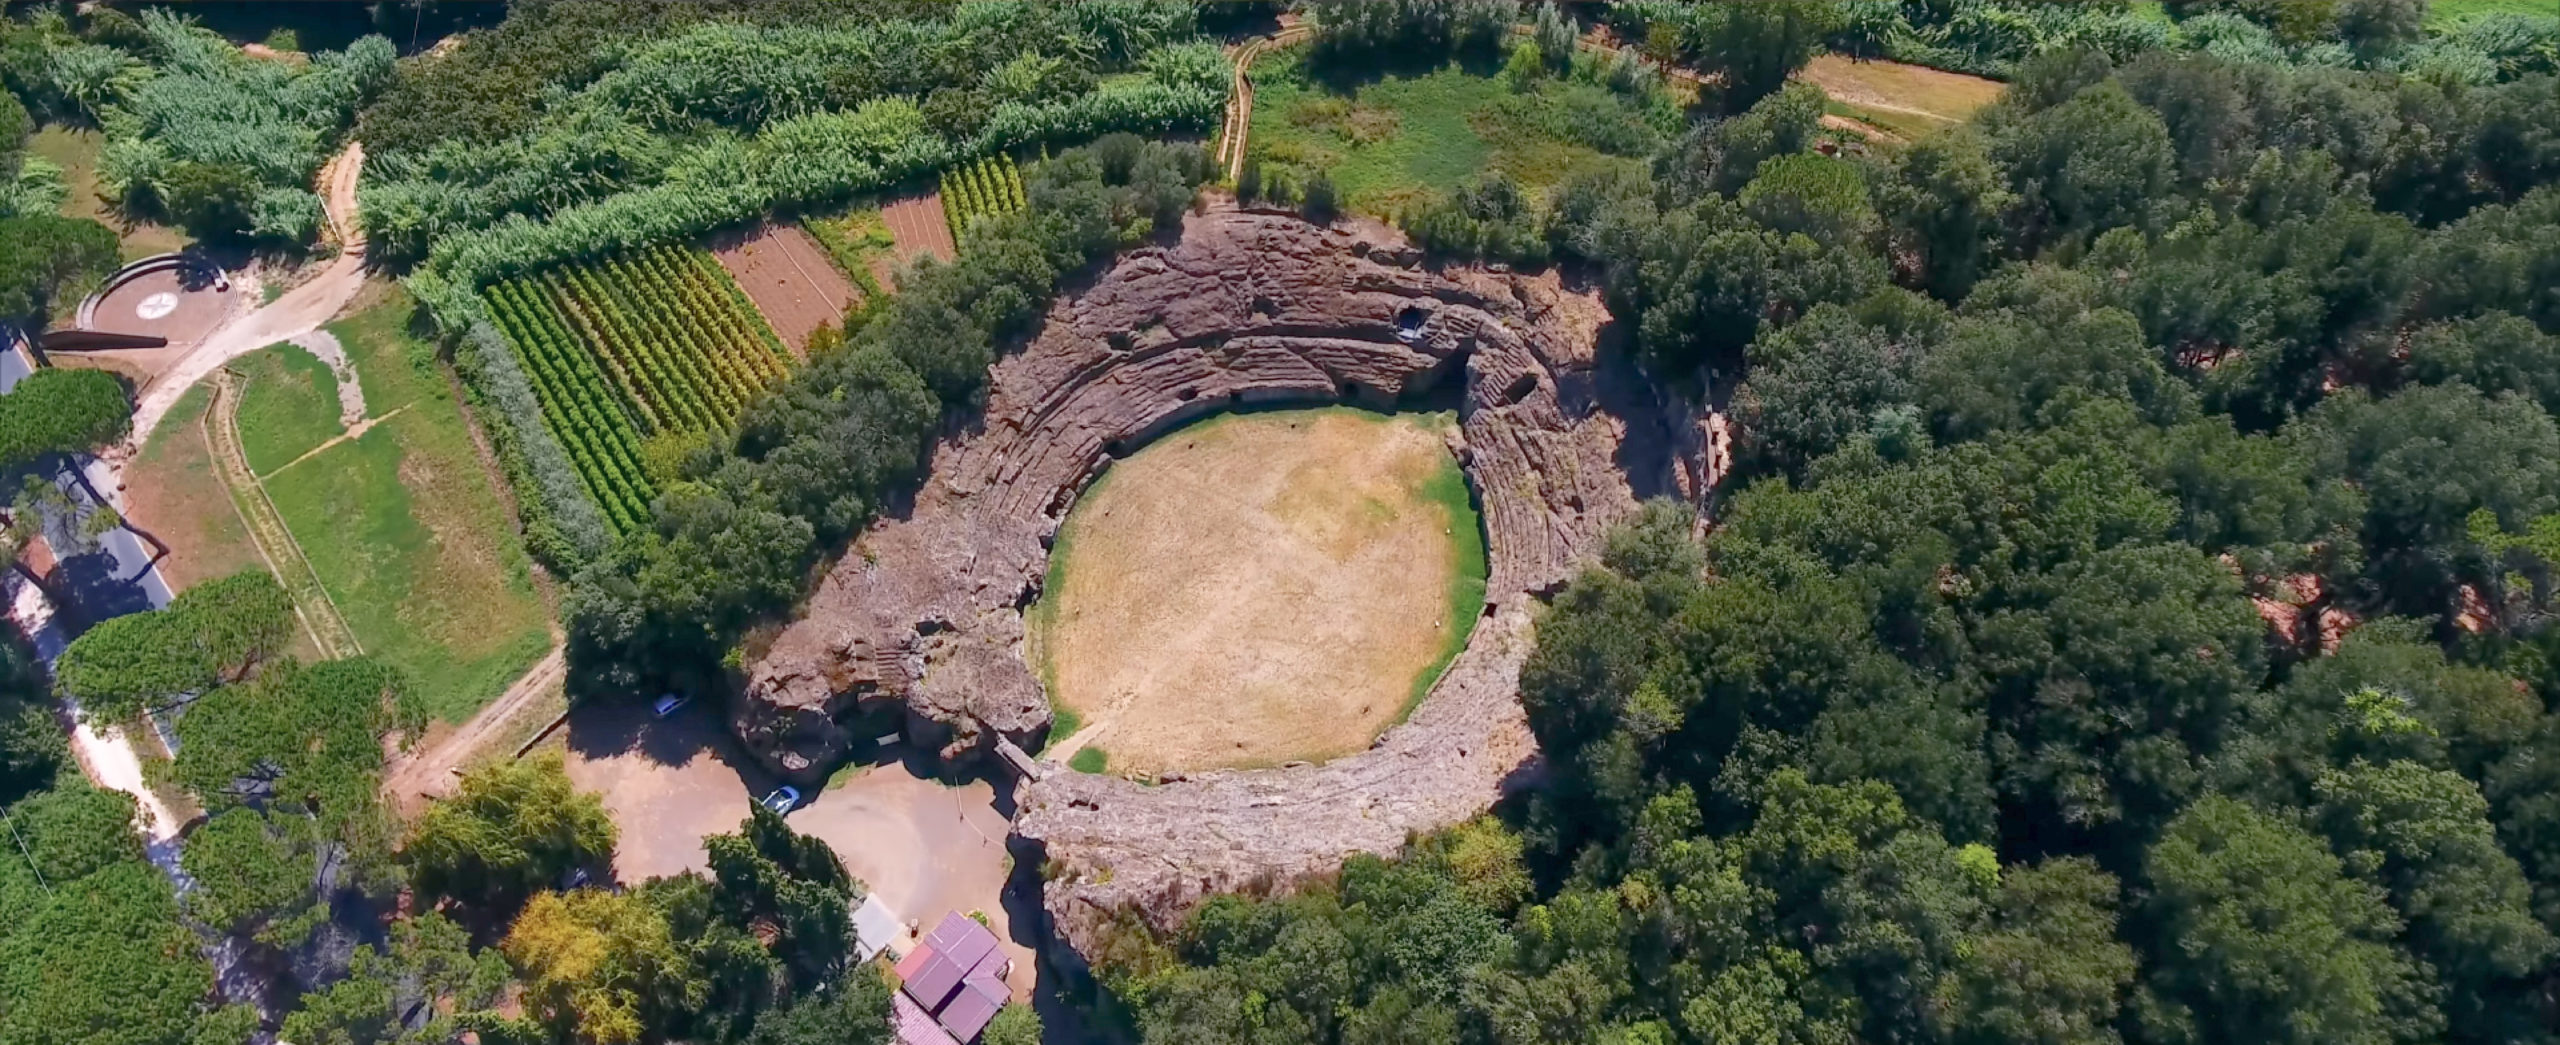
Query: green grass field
[76, 152]
[1448, 489]
[2447, 12]
[406, 532]
[1398, 139]
[288, 405]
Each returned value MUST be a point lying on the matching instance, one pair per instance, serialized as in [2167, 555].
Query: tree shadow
[600, 729]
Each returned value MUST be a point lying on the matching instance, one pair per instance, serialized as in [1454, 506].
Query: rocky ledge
[1248, 308]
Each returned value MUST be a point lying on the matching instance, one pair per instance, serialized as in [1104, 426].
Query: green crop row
[578, 405]
[652, 340]
[983, 186]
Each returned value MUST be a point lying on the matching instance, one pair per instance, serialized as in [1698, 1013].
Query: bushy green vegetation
[2446, 41]
[815, 114]
[56, 411]
[47, 261]
[983, 186]
[1089, 759]
[91, 950]
[197, 132]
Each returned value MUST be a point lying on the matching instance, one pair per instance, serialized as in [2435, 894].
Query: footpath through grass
[404, 528]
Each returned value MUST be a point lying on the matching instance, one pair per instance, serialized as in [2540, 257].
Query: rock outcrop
[1246, 309]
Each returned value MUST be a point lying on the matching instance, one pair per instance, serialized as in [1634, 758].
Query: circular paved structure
[164, 298]
[1247, 308]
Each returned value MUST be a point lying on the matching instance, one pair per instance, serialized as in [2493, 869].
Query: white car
[783, 799]
[667, 705]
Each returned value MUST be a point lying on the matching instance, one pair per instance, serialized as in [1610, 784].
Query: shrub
[1319, 202]
[61, 411]
[1089, 759]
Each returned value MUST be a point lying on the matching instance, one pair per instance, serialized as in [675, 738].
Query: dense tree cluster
[215, 633]
[47, 261]
[91, 949]
[198, 133]
[2128, 618]
[55, 410]
[720, 120]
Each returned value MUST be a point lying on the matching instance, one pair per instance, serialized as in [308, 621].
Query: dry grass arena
[1261, 588]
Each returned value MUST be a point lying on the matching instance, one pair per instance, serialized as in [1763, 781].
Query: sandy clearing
[1252, 590]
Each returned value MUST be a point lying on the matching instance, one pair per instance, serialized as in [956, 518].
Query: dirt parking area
[787, 275]
[667, 782]
[923, 846]
[1253, 589]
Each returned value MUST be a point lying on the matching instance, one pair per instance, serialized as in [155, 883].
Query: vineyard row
[653, 341]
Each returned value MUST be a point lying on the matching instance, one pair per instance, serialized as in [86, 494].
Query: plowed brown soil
[788, 277]
[918, 225]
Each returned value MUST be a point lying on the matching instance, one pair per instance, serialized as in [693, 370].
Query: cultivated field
[918, 227]
[985, 186]
[1260, 588]
[787, 275]
[656, 341]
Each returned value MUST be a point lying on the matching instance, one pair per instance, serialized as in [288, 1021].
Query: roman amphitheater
[1248, 310]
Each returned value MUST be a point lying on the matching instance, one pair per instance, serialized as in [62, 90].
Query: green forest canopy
[1992, 709]
[2128, 618]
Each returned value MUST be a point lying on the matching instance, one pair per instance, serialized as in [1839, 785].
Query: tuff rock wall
[1247, 308]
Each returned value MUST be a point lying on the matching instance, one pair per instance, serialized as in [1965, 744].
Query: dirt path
[354, 432]
[427, 772]
[320, 617]
[300, 311]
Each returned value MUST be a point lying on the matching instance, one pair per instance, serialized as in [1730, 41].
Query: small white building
[875, 926]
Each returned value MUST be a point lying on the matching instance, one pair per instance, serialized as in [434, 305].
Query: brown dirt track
[789, 278]
[1254, 589]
